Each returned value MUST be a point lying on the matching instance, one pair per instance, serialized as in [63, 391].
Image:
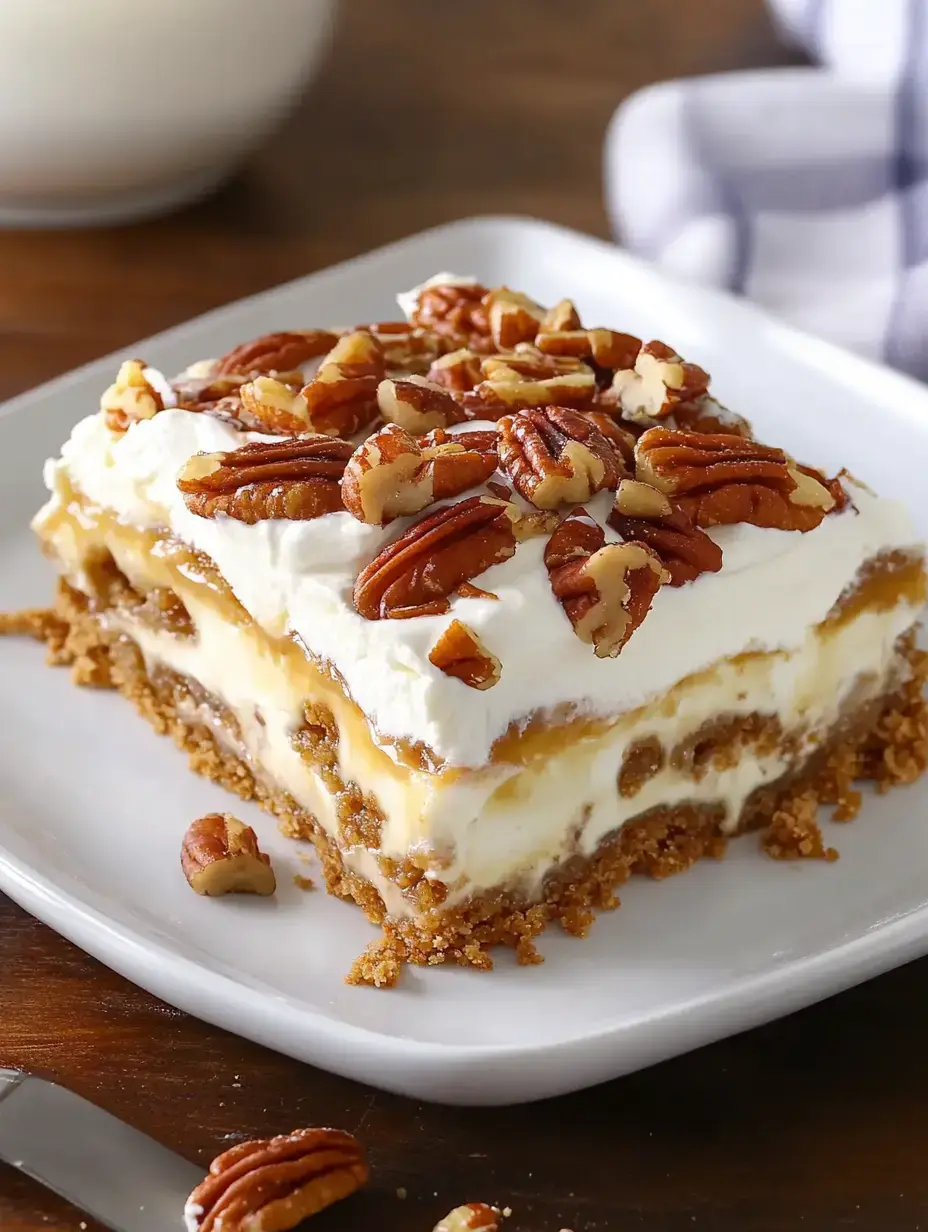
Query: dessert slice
[494, 608]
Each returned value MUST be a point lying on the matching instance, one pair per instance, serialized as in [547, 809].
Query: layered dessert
[495, 608]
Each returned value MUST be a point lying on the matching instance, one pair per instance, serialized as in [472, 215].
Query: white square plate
[93, 804]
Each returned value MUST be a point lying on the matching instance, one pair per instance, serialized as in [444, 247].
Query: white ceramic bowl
[113, 109]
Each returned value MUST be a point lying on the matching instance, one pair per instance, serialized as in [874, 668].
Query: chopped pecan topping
[606, 589]
[270, 405]
[459, 652]
[456, 313]
[417, 405]
[719, 478]
[458, 370]
[417, 573]
[561, 317]
[659, 381]
[139, 392]
[273, 1184]
[556, 456]
[507, 392]
[644, 514]
[512, 316]
[279, 352]
[220, 855]
[406, 349]
[527, 362]
[297, 479]
[472, 1217]
[605, 347]
[392, 474]
[341, 399]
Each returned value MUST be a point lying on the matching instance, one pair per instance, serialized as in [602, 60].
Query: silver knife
[121, 1177]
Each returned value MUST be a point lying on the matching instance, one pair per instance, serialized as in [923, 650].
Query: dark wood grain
[426, 112]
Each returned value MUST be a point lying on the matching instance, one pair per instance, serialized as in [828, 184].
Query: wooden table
[428, 111]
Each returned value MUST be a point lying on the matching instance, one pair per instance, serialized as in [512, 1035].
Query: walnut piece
[556, 456]
[644, 514]
[659, 381]
[418, 405]
[273, 1184]
[720, 478]
[605, 589]
[459, 652]
[416, 574]
[393, 475]
[297, 479]
[278, 352]
[220, 855]
[139, 392]
[472, 1217]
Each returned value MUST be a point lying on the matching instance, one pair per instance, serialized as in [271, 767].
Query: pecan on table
[471, 1217]
[719, 478]
[417, 573]
[273, 1184]
[605, 589]
[659, 381]
[278, 352]
[391, 474]
[644, 514]
[297, 479]
[417, 404]
[556, 456]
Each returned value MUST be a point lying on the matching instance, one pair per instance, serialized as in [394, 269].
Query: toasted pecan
[459, 652]
[644, 514]
[659, 381]
[282, 351]
[417, 404]
[556, 456]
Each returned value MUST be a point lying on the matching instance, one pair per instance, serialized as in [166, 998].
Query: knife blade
[124, 1179]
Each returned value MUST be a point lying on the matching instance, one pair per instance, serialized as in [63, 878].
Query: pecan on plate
[471, 1217]
[273, 1184]
[297, 478]
[406, 349]
[459, 652]
[526, 362]
[458, 370]
[456, 313]
[605, 347]
[556, 456]
[391, 474]
[417, 573]
[139, 392]
[341, 398]
[512, 317]
[659, 381]
[621, 440]
[644, 514]
[705, 414]
[507, 392]
[606, 589]
[417, 404]
[220, 855]
[719, 478]
[278, 352]
[561, 317]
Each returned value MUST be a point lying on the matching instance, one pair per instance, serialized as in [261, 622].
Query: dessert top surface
[632, 532]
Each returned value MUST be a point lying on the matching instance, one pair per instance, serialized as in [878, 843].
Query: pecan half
[604, 347]
[459, 652]
[719, 478]
[705, 414]
[507, 392]
[606, 589]
[220, 855]
[622, 441]
[644, 514]
[527, 362]
[341, 399]
[273, 1184]
[659, 381]
[297, 479]
[456, 313]
[417, 405]
[278, 352]
[392, 474]
[139, 392]
[459, 370]
[417, 573]
[472, 1217]
[512, 317]
[556, 456]
[406, 349]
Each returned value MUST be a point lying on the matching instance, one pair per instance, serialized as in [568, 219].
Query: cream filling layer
[508, 823]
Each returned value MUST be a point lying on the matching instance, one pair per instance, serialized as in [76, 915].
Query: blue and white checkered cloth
[805, 189]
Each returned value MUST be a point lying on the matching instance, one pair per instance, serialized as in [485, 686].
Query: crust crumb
[793, 833]
[380, 964]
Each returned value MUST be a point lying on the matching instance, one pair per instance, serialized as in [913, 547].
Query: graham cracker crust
[886, 743]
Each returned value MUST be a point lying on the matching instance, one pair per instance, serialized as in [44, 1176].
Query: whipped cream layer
[298, 576]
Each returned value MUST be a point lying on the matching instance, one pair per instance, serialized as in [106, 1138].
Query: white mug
[115, 109]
